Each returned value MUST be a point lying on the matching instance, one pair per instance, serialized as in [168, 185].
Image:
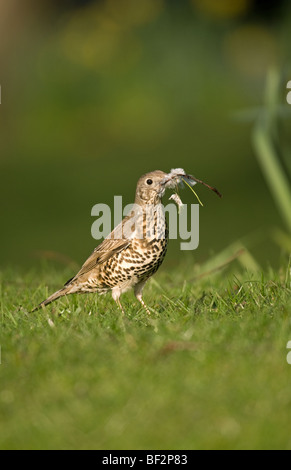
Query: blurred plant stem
[266, 142]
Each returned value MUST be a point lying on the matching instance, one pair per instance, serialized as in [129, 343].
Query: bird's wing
[112, 244]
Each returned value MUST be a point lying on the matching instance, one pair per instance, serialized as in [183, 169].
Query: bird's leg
[119, 305]
[138, 293]
[140, 299]
[115, 295]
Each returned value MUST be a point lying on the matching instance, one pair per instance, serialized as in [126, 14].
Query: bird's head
[150, 188]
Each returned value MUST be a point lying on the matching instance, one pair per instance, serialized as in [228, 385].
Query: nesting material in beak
[178, 176]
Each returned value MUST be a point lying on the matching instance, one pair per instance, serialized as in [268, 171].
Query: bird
[131, 253]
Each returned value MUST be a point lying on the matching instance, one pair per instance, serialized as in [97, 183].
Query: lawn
[207, 369]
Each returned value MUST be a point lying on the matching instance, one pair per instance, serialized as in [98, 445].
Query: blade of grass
[264, 136]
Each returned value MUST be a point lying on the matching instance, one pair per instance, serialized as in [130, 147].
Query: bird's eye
[149, 181]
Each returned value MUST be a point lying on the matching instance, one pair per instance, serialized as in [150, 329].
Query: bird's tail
[60, 293]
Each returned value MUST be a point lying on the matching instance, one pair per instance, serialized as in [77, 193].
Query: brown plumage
[132, 252]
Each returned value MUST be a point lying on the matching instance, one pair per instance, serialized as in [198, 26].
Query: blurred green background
[96, 93]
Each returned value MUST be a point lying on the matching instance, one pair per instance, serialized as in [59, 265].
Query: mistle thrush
[132, 252]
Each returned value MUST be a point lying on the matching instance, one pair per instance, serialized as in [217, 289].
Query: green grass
[208, 369]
